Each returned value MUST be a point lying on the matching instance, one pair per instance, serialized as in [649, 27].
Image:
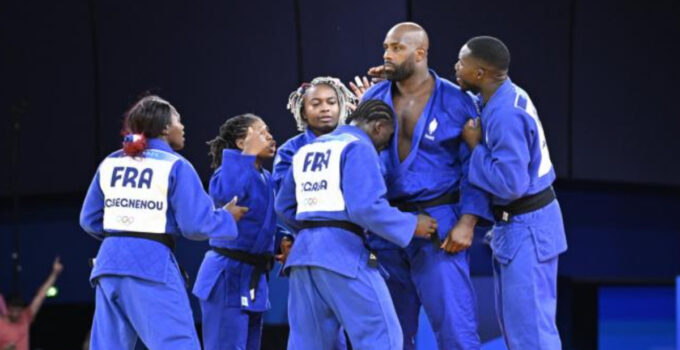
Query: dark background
[602, 73]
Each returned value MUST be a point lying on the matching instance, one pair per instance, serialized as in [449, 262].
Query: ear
[380, 126]
[479, 74]
[240, 142]
[377, 127]
[420, 54]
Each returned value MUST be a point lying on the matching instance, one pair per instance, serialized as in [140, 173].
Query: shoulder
[377, 90]
[453, 92]
[292, 144]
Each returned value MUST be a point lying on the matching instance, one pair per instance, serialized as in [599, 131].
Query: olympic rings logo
[126, 220]
[311, 201]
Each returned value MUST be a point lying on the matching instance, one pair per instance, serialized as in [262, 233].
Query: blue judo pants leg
[321, 301]
[128, 307]
[229, 327]
[448, 296]
[526, 299]
[403, 292]
[439, 281]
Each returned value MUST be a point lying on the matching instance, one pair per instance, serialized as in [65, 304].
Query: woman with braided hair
[332, 195]
[318, 108]
[231, 283]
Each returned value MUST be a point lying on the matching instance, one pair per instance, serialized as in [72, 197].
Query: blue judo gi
[337, 177]
[422, 274]
[512, 163]
[232, 312]
[282, 163]
[140, 291]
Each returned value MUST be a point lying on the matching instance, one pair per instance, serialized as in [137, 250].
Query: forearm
[42, 293]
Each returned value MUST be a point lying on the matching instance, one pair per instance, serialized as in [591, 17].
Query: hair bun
[134, 144]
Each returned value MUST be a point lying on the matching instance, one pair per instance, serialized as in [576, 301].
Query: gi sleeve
[474, 200]
[286, 203]
[282, 163]
[501, 166]
[234, 177]
[194, 211]
[364, 192]
[92, 213]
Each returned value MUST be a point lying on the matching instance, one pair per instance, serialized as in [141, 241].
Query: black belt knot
[419, 207]
[262, 263]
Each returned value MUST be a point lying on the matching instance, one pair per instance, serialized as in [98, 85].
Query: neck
[417, 82]
[258, 163]
[490, 89]
[317, 132]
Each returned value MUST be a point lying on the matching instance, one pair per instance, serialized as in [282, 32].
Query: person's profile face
[467, 71]
[175, 132]
[268, 152]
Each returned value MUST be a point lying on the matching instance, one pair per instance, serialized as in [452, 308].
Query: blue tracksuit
[514, 162]
[436, 164]
[282, 163]
[337, 177]
[139, 288]
[232, 315]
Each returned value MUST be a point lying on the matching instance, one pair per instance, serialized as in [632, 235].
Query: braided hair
[147, 118]
[371, 110]
[296, 99]
[233, 129]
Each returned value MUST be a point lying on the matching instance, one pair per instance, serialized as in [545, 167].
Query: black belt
[419, 207]
[349, 226]
[162, 238]
[524, 205]
[263, 263]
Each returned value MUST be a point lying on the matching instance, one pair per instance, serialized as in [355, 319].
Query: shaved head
[410, 33]
[406, 46]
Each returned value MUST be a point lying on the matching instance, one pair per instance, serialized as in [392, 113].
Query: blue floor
[637, 318]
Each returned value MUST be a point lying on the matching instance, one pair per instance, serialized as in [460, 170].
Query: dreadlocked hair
[371, 110]
[296, 99]
[233, 129]
[146, 119]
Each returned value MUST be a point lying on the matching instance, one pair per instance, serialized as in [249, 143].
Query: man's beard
[402, 71]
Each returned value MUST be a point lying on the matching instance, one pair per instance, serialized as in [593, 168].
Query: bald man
[424, 172]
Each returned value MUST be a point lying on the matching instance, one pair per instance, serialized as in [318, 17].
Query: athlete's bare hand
[256, 141]
[426, 226]
[377, 74]
[461, 235]
[472, 132]
[236, 211]
[359, 86]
